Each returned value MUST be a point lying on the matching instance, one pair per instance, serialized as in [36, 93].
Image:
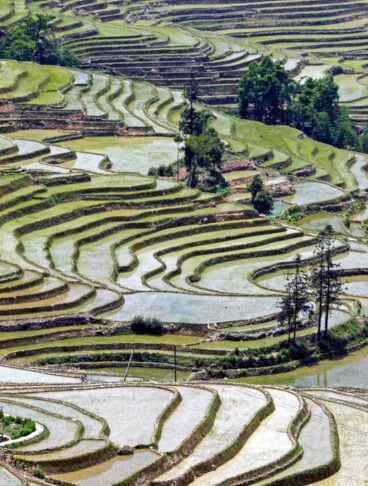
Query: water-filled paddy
[351, 371]
[130, 154]
[313, 192]
[359, 172]
[121, 408]
[318, 222]
[203, 309]
[8, 479]
[110, 472]
[352, 428]
[17, 375]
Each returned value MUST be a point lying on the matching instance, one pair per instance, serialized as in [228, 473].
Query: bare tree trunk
[328, 291]
[320, 299]
[296, 300]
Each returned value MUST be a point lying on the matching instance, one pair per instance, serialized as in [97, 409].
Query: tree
[332, 282]
[32, 39]
[203, 151]
[364, 140]
[263, 202]
[191, 91]
[315, 110]
[296, 298]
[300, 296]
[286, 306]
[268, 94]
[317, 281]
[265, 92]
[324, 280]
[344, 133]
[255, 186]
[194, 122]
[203, 148]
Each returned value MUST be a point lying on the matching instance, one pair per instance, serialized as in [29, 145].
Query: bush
[152, 171]
[142, 325]
[161, 171]
[38, 473]
[263, 202]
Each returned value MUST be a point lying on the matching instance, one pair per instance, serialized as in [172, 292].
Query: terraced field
[89, 241]
[167, 44]
[88, 234]
[273, 441]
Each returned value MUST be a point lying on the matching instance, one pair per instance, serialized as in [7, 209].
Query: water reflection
[351, 371]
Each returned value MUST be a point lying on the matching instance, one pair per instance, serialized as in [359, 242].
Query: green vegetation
[32, 40]
[262, 200]
[15, 427]
[197, 260]
[268, 94]
[203, 149]
[153, 326]
[134, 243]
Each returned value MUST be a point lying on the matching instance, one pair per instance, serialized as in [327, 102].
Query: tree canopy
[265, 92]
[261, 199]
[268, 94]
[203, 148]
[32, 39]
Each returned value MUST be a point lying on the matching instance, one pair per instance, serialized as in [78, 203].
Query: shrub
[142, 325]
[161, 171]
[38, 473]
[263, 202]
[152, 171]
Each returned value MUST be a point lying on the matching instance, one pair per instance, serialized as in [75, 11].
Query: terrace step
[320, 448]
[259, 456]
[227, 435]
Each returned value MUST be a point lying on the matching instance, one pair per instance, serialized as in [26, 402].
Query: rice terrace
[183, 242]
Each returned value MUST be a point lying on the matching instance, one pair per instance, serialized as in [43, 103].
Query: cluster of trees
[267, 93]
[32, 39]
[320, 288]
[261, 199]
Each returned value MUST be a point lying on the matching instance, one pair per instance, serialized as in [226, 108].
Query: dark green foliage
[203, 149]
[142, 325]
[316, 112]
[265, 92]
[344, 135]
[38, 473]
[193, 122]
[161, 171]
[263, 202]
[325, 283]
[364, 140]
[268, 94]
[32, 40]
[16, 427]
[255, 186]
[261, 199]
[295, 300]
